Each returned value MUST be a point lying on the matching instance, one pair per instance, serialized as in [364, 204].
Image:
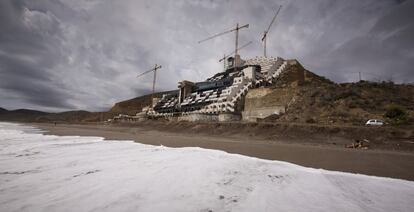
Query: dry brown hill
[349, 102]
[135, 105]
[318, 100]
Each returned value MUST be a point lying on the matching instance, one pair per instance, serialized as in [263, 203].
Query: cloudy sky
[60, 55]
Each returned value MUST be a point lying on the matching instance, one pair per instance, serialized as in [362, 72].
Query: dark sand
[384, 163]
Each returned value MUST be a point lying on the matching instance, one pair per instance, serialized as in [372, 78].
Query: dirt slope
[318, 100]
[135, 105]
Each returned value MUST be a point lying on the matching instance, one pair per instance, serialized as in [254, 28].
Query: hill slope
[318, 100]
[135, 105]
[348, 102]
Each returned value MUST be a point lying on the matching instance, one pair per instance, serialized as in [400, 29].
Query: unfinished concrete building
[222, 96]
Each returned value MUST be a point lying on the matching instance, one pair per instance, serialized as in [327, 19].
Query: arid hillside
[135, 105]
[309, 98]
[349, 103]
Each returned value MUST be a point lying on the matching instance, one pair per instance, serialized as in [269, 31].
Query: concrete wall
[130, 120]
[155, 100]
[223, 117]
[207, 117]
[250, 73]
[198, 117]
[263, 102]
[259, 113]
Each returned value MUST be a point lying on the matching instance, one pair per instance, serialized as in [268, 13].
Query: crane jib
[225, 32]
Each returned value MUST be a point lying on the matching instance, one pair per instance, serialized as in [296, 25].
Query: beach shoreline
[383, 163]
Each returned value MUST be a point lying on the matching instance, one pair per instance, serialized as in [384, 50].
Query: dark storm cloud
[31, 85]
[27, 52]
[59, 55]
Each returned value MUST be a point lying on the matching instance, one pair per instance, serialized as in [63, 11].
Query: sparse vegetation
[396, 114]
[351, 103]
[310, 121]
[135, 105]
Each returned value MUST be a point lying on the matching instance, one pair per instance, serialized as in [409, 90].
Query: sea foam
[72, 173]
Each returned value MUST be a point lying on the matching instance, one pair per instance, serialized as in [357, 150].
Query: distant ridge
[25, 115]
[20, 115]
[131, 106]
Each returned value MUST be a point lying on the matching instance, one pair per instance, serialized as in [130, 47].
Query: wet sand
[383, 163]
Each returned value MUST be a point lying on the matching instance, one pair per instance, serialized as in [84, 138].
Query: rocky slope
[320, 101]
[135, 105]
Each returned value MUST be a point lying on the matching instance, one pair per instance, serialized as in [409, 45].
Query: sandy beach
[394, 164]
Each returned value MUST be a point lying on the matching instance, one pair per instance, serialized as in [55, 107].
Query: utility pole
[264, 38]
[156, 67]
[359, 76]
[236, 30]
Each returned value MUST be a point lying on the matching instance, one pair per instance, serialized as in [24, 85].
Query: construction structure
[221, 97]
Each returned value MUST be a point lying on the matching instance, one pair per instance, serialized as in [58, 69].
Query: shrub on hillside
[310, 121]
[396, 114]
[345, 94]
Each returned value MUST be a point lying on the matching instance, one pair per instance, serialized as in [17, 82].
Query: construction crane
[226, 56]
[264, 38]
[236, 30]
[156, 67]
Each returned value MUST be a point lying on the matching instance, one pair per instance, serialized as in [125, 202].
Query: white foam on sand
[72, 173]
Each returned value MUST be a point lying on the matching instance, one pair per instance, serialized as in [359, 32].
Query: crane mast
[236, 30]
[264, 38]
[156, 67]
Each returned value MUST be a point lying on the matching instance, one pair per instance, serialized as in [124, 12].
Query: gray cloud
[60, 55]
